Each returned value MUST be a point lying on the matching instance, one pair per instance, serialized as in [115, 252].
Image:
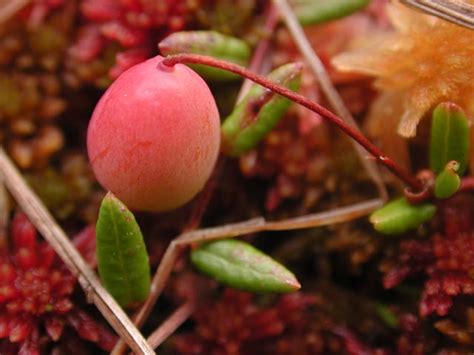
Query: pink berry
[154, 136]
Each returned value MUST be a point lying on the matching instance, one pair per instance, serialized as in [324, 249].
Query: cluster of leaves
[449, 147]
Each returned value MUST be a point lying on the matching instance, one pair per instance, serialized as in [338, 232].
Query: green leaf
[386, 315]
[448, 181]
[240, 265]
[449, 137]
[258, 113]
[211, 43]
[310, 12]
[121, 253]
[400, 216]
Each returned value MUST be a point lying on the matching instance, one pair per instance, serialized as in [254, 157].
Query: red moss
[231, 324]
[37, 10]
[447, 259]
[134, 25]
[414, 257]
[236, 324]
[295, 160]
[412, 339]
[36, 293]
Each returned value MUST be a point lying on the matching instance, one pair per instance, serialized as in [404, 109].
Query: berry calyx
[154, 136]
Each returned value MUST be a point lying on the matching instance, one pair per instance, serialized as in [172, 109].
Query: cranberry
[154, 136]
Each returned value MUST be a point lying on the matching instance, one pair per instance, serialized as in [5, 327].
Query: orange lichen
[422, 62]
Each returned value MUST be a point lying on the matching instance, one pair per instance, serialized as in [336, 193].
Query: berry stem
[303, 101]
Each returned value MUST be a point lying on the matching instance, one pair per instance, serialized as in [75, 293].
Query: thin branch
[340, 215]
[335, 100]
[170, 325]
[52, 232]
[301, 100]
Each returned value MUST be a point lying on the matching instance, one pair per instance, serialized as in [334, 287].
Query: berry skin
[154, 136]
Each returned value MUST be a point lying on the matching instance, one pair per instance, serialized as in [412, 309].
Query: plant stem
[335, 100]
[301, 100]
[170, 325]
[467, 184]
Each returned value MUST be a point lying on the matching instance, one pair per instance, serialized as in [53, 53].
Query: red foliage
[36, 293]
[412, 339]
[414, 258]
[446, 259]
[37, 10]
[235, 324]
[231, 324]
[294, 159]
[135, 25]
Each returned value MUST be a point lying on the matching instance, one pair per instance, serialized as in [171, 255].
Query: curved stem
[327, 87]
[301, 100]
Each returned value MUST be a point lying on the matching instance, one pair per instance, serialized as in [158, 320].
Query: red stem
[303, 101]
[467, 184]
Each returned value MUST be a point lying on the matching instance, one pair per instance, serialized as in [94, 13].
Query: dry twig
[170, 325]
[52, 232]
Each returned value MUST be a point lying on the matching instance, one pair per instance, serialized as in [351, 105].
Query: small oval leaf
[240, 265]
[448, 181]
[259, 112]
[386, 315]
[449, 137]
[400, 216]
[311, 12]
[209, 43]
[121, 253]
